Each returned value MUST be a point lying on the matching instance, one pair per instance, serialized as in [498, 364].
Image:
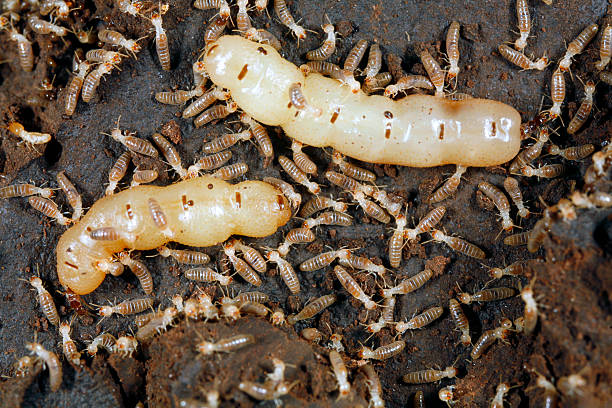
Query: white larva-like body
[250, 208]
[418, 130]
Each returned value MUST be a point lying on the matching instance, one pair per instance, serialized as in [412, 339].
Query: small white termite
[530, 153]
[117, 172]
[577, 46]
[311, 309]
[295, 236]
[436, 74]
[501, 202]
[52, 362]
[461, 321]
[426, 223]
[452, 50]
[512, 187]
[487, 339]
[373, 383]
[280, 7]
[138, 269]
[74, 89]
[179, 96]
[351, 170]
[222, 5]
[157, 324]
[24, 50]
[312, 334]
[407, 82]
[351, 286]
[486, 295]
[226, 141]
[184, 256]
[547, 171]
[383, 352]
[446, 394]
[386, 316]
[301, 159]
[551, 395]
[243, 269]
[571, 385]
[28, 137]
[211, 96]
[370, 208]
[295, 199]
[517, 268]
[126, 307]
[421, 320]
[347, 258]
[524, 24]
[24, 190]
[286, 271]
[263, 37]
[117, 39]
[206, 274]
[519, 59]
[74, 198]
[584, 110]
[449, 187]
[298, 175]
[328, 218]
[92, 80]
[225, 345]
[327, 48]
[215, 113]
[572, 152]
[408, 285]
[530, 314]
[374, 64]
[297, 99]
[355, 56]
[429, 376]
[170, 154]
[131, 7]
[500, 392]
[46, 300]
[459, 245]
[231, 171]
[48, 208]
[396, 242]
[277, 318]
[210, 162]
[261, 136]
[605, 48]
[557, 92]
[100, 55]
[40, 26]
[105, 341]
[319, 203]
[126, 346]
[243, 21]
[135, 144]
[320, 261]
[161, 41]
[335, 341]
[341, 373]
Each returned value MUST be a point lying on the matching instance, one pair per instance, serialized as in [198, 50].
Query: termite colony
[310, 202]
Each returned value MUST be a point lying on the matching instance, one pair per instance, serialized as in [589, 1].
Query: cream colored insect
[68, 346]
[319, 203]
[373, 66]
[215, 113]
[48, 208]
[426, 223]
[24, 50]
[161, 41]
[529, 154]
[409, 285]
[421, 320]
[295, 236]
[327, 48]
[103, 56]
[226, 141]
[501, 202]
[133, 143]
[519, 59]
[352, 287]
[436, 74]
[143, 177]
[263, 37]
[392, 206]
[605, 48]
[52, 363]
[452, 49]
[286, 271]
[24, 190]
[429, 376]
[373, 384]
[524, 24]
[261, 136]
[312, 308]
[461, 321]
[157, 324]
[117, 172]
[127, 307]
[577, 46]
[396, 242]
[530, 314]
[92, 80]
[350, 169]
[386, 316]
[211, 96]
[73, 196]
[548, 171]
[222, 5]
[210, 162]
[225, 345]
[126, 346]
[294, 198]
[446, 394]
[280, 7]
[383, 352]
[557, 92]
[312, 334]
[584, 110]
[572, 152]
[408, 82]
[74, 89]
[117, 39]
[500, 392]
[413, 138]
[459, 245]
[449, 187]
[487, 339]
[348, 183]
[184, 256]
[347, 258]
[28, 137]
[298, 175]
[243, 269]
[514, 191]
[40, 26]
[170, 154]
[320, 261]
[178, 97]
[341, 373]
[46, 300]
[371, 209]
[487, 295]
[517, 268]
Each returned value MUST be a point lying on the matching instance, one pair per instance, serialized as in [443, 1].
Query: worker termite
[458, 244]
[594, 200]
[393, 207]
[351, 286]
[515, 269]
[501, 202]
[69, 347]
[243, 269]
[46, 300]
[311, 309]
[530, 314]
[548, 171]
[298, 175]
[204, 101]
[184, 256]
[24, 190]
[374, 387]
[312, 334]
[210, 162]
[226, 141]
[138, 269]
[512, 187]
[446, 394]
[319, 203]
[486, 295]
[92, 80]
[251, 255]
[28, 137]
[126, 307]
[215, 29]
[488, 338]
[371, 209]
[225, 345]
[573, 152]
[280, 7]
[286, 271]
[157, 324]
[408, 82]
[126, 346]
[605, 48]
[74, 88]
[551, 395]
[215, 113]
[449, 187]
[297, 99]
[421, 320]
[243, 21]
[287, 189]
[347, 183]
[105, 341]
[524, 24]
[261, 136]
[40, 26]
[48, 208]
[100, 55]
[170, 154]
[577, 46]
[301, 159]
[355, 56]
[377, 82]
[117, 172]
[383, 352]
[557, 92]
[429, 376]
[347, 258]
[24, 50]
[373, 66]
[396, 242]
[222, 5]
[320, 261]
[461, 321]
[452, 49]
[277, 318]
[161, 41]
[267, 391]
[327, 48]
[143, 177]
[409, 285]
[436, 74]
[571, 385]
[295, 236]
[386, 316]
[530, 153]
[74, 198]
[351, 170]
[341, 373]
[178, 97]
[584, 110]
[519, 59]
[52, 363]
[133, 143]
[132, 7]
[231, 171]
[117, 39]
[426, 223]
[263, 37]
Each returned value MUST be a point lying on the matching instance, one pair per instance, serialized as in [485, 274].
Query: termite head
[126, 345]
[206, 347]
[278, 318]
[565, 63]
[566, 209]
[496, 273]
[465, 298]
[164, 251]
[506, 323]
[199, 68]
[450, 372]
[35, 348]
[15, 127]
[305, 69]
[105, 311]
[64, 329]
[589, 88]
[502, 388]
[541, 63]
[365, 352]
[391, 91]
[465, 339]
[328, 28]
[177, 301]
[36, 282]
